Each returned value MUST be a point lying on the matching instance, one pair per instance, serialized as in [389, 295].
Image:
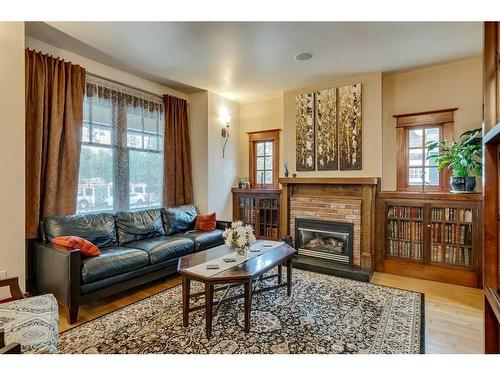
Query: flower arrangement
[239, 236]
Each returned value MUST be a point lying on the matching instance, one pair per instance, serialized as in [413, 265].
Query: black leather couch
[136, 247]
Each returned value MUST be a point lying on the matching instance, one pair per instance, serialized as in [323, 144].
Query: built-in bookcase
[451, 236]
[434, 239]
[404, 237]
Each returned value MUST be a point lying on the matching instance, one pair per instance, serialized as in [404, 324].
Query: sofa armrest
[220, 224]
[58, 272]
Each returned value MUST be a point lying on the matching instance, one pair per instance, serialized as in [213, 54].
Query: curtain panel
[177, 187]
[54, 92]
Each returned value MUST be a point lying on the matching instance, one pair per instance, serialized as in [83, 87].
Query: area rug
[325, 314]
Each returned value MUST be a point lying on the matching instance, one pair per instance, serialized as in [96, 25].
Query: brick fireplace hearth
[333, 200]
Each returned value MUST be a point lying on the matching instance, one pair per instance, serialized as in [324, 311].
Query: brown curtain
[177, 186]
[54, 115]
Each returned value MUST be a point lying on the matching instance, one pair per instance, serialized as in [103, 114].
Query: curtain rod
[129, 86]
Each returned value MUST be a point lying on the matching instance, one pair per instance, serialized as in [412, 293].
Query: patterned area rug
[325, 314]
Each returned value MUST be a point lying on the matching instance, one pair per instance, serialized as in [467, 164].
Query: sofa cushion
[179, 219]
[138, 225]
[87, 248]
[164, 247]
[204, 239]
[113, 261]
[98, 228]
[32, 322]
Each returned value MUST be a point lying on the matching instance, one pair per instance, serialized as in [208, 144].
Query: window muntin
[264, 162]
[121, 164]
[420, 170]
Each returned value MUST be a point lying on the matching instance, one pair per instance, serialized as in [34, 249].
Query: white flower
[242, 241]
[236, 224]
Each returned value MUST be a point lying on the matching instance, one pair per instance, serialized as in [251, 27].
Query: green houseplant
[461, 157]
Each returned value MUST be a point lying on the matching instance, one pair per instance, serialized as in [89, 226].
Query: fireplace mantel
[372, 181]
[357, 189]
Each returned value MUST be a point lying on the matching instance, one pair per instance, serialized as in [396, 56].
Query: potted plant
[461, 157]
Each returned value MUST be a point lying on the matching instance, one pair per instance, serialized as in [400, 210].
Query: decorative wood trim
[440, 118]
[330, 181]
[491, 119]
[265, 135]
[406, 195]
[363, 188]
[253, 191]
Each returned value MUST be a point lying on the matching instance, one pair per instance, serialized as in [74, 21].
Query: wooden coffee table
[248, 273]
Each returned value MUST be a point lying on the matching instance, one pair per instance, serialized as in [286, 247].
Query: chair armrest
[58, 272]
[13, 284]
[221, 224]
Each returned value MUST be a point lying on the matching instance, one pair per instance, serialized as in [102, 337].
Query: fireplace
[325, 239]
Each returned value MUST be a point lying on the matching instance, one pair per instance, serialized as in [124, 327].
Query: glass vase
[241, 251]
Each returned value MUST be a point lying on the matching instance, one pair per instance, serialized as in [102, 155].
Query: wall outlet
[3, 275]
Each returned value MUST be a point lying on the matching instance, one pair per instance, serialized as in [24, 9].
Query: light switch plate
[3, 275]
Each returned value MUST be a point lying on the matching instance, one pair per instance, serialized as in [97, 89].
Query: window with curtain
[121, 164]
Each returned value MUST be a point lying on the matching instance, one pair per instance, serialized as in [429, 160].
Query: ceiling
[247, 61]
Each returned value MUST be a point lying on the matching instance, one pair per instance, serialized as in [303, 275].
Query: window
[264, 158]
[121, 162]
[264, 164]
[420, 170]
[414, 131]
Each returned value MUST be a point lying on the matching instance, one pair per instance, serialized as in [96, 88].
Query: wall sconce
[225, 118]
[225, 135]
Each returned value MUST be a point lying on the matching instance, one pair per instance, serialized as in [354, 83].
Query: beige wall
[372, 126]
[445, 86]
[257, 116]
[222, 172]
[12, 251]
[213, 175]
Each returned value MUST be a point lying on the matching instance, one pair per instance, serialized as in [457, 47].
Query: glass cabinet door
[268, 218]
[247, 210]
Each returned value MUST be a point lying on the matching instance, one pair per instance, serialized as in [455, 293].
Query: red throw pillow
[87, 248]
[206, 222]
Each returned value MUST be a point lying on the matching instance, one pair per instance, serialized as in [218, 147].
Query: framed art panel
[326, 130]
[304, 122]
[349, 127]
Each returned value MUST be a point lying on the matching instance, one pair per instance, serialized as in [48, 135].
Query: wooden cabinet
[431, 236]
[259, 208]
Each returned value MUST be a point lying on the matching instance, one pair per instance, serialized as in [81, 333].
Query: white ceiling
[247, 61]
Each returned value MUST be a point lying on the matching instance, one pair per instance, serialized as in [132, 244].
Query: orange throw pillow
[87, 248]
[206, 222]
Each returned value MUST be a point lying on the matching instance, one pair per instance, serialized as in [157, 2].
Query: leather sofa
[136, 247]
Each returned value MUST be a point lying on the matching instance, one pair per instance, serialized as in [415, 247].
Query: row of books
[406, 212]
[451, 254]
[405, 249]
[246, 210]
[452, 214]
[407, 230]
[268, 203]
[269, 231]
[465, 234]
[448, 214]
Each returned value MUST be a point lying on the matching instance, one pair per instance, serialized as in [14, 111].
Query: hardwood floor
[453, 314]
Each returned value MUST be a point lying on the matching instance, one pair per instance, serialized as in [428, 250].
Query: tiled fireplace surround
[347, 200]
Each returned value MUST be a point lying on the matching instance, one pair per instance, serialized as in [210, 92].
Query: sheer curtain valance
[121, 166]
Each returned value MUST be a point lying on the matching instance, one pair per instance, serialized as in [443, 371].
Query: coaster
[229, 260]
[254, 250]
[267, 245]
[212, 266]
